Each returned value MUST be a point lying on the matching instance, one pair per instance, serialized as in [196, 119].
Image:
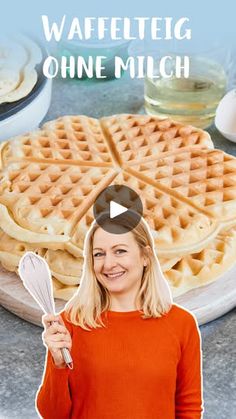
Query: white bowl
[225, 119]
[28, 117]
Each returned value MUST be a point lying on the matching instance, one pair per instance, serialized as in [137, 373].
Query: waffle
[51, 177]
[11, 251]
[41, 194]
[64, 292]
[201, 268]
[141, 137]
[173, 222]
[64, 267]
[77, 140]
[167, 263]
[41, 202]
[205, 179]
[83, 140]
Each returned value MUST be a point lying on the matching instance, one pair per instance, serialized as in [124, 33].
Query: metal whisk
[36, 277]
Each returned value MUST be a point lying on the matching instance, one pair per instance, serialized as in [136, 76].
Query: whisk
[36, 277]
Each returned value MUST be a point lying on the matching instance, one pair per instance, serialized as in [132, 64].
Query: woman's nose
[109, 262]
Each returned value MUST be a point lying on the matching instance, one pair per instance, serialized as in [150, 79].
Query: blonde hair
[92, 298]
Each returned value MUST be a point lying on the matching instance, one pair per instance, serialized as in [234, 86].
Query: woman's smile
[114, 275]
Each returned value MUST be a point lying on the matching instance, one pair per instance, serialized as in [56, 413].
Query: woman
[136, 355]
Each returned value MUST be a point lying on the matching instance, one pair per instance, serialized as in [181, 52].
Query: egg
[225, 119]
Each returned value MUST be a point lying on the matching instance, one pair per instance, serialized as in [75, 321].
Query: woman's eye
[98, 254]
[120, 251]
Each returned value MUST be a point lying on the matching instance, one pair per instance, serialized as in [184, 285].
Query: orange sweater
[132, 369]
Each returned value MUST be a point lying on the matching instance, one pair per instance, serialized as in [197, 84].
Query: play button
[117, 209]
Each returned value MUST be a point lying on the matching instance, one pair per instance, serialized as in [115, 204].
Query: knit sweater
[133, 369]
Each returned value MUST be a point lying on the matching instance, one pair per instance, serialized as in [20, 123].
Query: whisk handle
[67, 357]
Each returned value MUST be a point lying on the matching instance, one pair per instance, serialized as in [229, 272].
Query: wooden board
[207, 303]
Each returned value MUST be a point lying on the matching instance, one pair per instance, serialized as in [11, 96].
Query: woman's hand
[55, 337]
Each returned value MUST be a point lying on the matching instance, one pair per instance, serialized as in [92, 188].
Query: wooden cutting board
[207, 303]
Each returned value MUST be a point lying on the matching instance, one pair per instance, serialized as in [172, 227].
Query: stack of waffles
[50, 178]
